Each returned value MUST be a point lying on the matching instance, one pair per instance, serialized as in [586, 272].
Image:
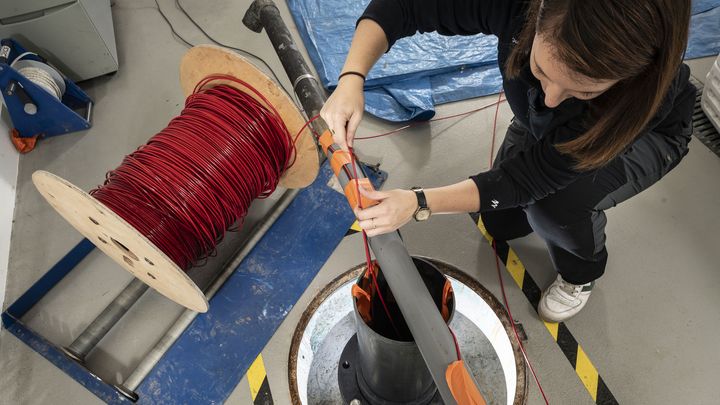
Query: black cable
[180, 6]
[171, 26]
[213, 40]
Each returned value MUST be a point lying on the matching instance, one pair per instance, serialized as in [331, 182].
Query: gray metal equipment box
[76, 36]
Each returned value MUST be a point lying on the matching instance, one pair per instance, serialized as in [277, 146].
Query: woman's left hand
[396, 208]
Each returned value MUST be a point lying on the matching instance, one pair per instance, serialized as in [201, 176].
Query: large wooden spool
[128, 247]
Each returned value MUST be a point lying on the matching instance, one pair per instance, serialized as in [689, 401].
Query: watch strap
[420, 194]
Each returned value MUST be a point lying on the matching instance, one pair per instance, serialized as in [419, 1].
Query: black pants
[572, 220]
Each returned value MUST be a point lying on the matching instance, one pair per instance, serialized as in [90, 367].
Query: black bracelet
[351, 72]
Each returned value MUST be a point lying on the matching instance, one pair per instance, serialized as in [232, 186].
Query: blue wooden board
[211, 357]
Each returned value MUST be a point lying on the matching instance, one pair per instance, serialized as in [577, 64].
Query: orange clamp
[325, 140]
[339, 159]
[352, 194]
[462, 386]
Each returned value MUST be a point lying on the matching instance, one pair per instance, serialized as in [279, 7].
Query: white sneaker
[562, 300]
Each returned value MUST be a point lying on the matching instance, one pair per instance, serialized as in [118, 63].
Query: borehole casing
[390, 370]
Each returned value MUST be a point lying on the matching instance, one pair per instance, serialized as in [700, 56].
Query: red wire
[193, 180]
[367, 249]
[368, 259]
[495, 120]
[394, 131]
[497, 267]
[457, 345]
[404, 127]
[308, 122]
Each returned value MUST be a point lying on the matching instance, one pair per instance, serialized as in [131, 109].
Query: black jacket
[540, 170]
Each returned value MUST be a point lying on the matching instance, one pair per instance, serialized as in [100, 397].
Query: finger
[373, 194]
[375, 211]
[369, 224]
[352, 127]
[365, 224]
[374, 222]
[379, 231]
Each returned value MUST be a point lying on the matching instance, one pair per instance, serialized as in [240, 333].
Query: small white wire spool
[42, 79]
[41, 74]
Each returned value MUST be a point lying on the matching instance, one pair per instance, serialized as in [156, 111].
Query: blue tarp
[429, 69]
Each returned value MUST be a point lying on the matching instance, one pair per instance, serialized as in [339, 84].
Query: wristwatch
[422, 213]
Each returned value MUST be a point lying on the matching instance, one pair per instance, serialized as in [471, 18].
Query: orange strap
[363, 302]
[462, 385]
[325, 141]
[339, 159]
[23, 145]
[446, 296]
[352, 194]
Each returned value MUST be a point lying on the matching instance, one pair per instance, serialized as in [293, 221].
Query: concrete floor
[649, 328]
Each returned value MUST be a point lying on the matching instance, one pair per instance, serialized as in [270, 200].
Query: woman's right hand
[343, 110]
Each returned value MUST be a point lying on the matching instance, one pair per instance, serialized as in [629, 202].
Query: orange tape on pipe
[339, 159]
[352, 195]
[325, 141]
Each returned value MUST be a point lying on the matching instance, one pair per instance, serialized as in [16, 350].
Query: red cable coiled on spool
[192, 181]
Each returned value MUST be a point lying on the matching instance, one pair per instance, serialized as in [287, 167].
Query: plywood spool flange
[205, 60]
[120, 240]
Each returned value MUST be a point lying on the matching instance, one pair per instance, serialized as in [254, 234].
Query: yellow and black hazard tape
[354, 228]
[259, 386]
[575, 354]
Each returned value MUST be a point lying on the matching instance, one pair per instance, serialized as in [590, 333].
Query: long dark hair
[641, 43]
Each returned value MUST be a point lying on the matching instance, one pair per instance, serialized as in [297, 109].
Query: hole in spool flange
[94, 221]
[128, 261]
[148, 261]
[125, 249]
[151, 276]
[102, 239]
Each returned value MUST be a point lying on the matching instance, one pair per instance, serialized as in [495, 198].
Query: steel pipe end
[127, 393]
[73, 355]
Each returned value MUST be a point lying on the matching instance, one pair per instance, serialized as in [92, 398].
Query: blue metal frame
[53, 117]
[11, 320]
[211, 357]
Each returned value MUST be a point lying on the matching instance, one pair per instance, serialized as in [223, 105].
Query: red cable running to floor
[497, 267]
[368, 258]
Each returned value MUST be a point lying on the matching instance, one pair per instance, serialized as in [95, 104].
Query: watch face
[422, 215]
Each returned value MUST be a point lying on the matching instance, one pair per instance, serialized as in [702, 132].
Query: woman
[602, 109]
